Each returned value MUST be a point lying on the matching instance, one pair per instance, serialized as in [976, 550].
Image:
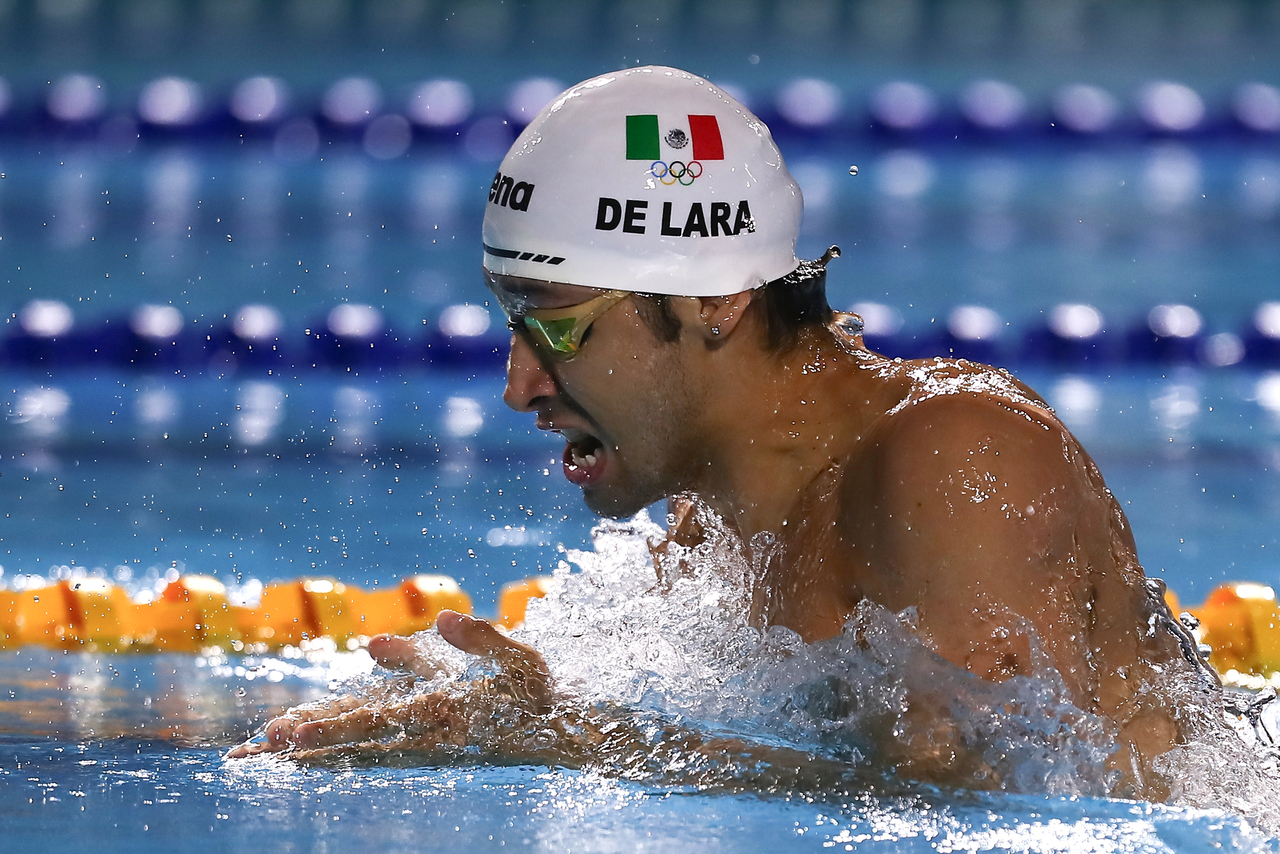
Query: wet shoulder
[930, 380]
[957, 403]
[965, 443]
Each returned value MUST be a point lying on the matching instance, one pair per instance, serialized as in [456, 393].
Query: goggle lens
[554, 336]
[558, 332]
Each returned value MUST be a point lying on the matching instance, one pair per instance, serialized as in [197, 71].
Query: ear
[712, 318]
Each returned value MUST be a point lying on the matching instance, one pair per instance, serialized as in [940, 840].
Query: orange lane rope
[192, 614]
[1239, 622]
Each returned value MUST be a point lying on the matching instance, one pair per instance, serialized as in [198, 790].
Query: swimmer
[640, 236]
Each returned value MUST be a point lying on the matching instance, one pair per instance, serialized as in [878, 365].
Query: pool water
[150, 796]
[375, 472]
[372, 478]
[366, 480]
[126, 750]
[924, 228]
[125, 753]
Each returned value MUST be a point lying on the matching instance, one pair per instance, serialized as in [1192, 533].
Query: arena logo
[509, 193]
[713, 220]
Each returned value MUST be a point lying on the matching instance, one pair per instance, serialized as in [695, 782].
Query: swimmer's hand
[514, 716]
[440, 717]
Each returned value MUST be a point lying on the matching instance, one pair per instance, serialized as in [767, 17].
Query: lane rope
[1239, 623]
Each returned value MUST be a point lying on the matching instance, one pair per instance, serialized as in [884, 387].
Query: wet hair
[784, 307]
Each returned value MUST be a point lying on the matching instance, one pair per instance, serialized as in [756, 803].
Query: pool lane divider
[1238, 622]
[255, 341]
[193, 613]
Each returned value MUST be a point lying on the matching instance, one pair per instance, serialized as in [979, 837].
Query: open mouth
[583, 458]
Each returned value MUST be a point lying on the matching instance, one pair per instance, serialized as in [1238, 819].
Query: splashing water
[666, 646]
[677, 640]
[1230, 760]
[614, 633]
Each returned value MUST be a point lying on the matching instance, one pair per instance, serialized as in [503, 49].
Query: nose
[528, 380]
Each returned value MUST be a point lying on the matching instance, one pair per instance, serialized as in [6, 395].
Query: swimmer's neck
[776, 422]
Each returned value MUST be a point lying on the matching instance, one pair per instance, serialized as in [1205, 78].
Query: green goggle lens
[558, 332]
[555, 335]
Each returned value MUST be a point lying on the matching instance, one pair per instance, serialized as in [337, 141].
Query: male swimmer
[640, 236]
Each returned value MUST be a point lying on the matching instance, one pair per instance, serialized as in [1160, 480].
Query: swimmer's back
[974, 503]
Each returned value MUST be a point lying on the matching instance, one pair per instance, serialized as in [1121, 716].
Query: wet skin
[938, 485]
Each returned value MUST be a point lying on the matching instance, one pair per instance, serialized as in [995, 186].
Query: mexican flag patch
[645, 138]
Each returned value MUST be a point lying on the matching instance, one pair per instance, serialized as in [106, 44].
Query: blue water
[128, 748]
[369, 479]
[116, 752]
[208, 229]
[150, 796]
[371, 475]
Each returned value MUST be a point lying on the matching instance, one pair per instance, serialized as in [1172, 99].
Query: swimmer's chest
[834, 553]
[820, 572]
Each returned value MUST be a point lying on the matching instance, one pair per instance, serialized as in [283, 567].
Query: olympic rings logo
[676, 172]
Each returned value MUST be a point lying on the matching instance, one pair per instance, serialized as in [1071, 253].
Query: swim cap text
[699, 221]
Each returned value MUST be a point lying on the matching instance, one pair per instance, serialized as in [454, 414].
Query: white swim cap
[649, 179]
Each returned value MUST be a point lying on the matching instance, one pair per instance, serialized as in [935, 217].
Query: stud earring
[715, 330]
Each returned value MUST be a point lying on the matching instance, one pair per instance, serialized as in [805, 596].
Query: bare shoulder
[974, 456]
[932, 381]
[975, 505]
[954, 407]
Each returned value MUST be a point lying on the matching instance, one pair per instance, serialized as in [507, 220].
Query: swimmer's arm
[685, 529]
[997, 527]
[515, 717]
[522, 679]
[983, 511]
[977, 508]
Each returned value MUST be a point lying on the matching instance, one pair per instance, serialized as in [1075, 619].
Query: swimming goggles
[557, 333]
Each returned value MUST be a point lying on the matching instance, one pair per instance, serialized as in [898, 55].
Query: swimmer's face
[621, 403]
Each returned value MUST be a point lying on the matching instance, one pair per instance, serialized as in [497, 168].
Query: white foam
[685, 648]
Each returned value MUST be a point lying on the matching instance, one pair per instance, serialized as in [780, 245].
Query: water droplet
[241, 692]
[853, 170]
